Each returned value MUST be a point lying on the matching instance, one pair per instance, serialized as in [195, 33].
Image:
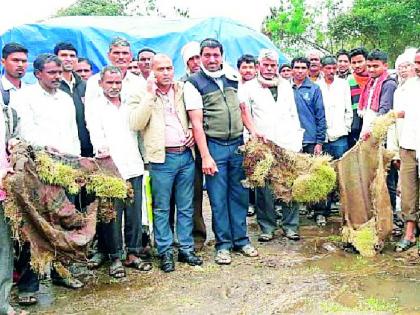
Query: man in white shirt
[339, 116]
[268, 102]
[145, 59]
[337, 105]
[15, 62]
[409, 142]
[120, 56]
[111, 136]
[48, 117]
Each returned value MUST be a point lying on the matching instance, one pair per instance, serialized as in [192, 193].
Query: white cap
[268, 54]
[189, 50]
[407, 56]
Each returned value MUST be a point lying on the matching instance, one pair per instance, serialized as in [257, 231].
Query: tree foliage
[390, 25]
[295, 25]
[117, 7]
[94, 7]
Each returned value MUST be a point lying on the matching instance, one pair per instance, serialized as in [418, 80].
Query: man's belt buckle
[179, 149]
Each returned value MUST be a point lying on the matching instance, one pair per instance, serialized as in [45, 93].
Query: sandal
[26, 299]
[69, 282]
[139, 264]
[223, 257]
[96, 261]
[15, 311]
[292, 235]
[116, 270]
[404, 245]
[265, 237]
[248, 251]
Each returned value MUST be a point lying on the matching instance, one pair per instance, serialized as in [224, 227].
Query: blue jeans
[336, 148]
[6, 262]
[177, 172]
[290, 216]
[228, 198]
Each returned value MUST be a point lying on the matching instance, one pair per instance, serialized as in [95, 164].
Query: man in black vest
[211, 98]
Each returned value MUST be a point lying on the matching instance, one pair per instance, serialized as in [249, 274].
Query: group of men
[136, 113]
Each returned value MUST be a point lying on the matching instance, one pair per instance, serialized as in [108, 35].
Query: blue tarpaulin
[91, 36]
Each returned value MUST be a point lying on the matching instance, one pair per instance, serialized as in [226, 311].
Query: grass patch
[369, 305]
[334, 238]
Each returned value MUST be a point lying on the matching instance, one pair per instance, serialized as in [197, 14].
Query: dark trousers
[28, 281]
[110, 238]
[267, 216]
[392, 182]
[356, 128]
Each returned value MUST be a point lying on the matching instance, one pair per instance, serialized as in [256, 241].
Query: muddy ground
[312, 276]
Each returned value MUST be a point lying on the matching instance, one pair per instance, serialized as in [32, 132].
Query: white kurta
[337, 105]
[277, 120]
[111, 130]
[48, 119]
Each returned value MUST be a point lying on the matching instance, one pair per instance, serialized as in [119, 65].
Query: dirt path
[288, 277]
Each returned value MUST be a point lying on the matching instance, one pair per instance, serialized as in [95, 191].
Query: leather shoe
[167, 263]
[190, 258]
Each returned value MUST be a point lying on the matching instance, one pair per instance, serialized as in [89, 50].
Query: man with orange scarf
[357, 81]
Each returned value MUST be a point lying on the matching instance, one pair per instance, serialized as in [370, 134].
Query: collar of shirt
[70, 83]
[7, 85]
[55, 95]
[109, 103]
[307, 83]
[169, 92]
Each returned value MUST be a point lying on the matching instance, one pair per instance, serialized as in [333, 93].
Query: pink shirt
[174, 133]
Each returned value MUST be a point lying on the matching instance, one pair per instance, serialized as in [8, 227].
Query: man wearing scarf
[377, 97]
[268, 103]
[357, 81]
[211, 98]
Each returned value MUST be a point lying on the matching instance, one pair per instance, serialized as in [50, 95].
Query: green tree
[384, 24]
[117, 7]
[296, 25]
[94, 7]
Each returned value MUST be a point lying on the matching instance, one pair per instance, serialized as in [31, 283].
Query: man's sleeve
[321, 125]
[348, 110]
[192, 98]
[386, 99]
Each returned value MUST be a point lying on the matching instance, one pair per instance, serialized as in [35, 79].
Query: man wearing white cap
[191, 57]
[268, 102]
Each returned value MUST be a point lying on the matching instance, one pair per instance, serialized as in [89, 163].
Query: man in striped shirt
[357, 81]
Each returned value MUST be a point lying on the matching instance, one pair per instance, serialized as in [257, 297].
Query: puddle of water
[382, 278]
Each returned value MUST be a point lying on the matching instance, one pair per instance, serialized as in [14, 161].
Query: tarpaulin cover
[91, 36]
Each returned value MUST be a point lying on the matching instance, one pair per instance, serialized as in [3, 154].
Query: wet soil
[312, 276]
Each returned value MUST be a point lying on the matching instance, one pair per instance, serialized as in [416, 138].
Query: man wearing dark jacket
[310, 107]
[74, 86]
